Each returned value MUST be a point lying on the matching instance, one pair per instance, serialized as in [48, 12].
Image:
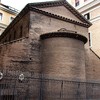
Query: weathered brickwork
[20, 55]
[18, 30]
[66, 58]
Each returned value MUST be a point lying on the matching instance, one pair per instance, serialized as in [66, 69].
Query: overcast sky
[19, 4]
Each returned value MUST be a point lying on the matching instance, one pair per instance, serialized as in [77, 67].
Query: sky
[19, 4]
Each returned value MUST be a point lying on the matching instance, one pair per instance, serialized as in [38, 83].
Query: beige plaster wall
[95, 36]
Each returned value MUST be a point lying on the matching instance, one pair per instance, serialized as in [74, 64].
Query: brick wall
[22, 55]
[17, 30]
[63, 58]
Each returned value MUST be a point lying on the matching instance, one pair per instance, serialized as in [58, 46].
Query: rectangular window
[0, 16]
[90, 39]
[87, 16]
[77, 3]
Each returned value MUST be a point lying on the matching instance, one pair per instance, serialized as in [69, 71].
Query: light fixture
[1, 75]
[21, 77]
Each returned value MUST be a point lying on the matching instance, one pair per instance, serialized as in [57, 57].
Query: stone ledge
[64, 34]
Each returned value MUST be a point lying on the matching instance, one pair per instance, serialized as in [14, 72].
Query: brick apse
[44, 55]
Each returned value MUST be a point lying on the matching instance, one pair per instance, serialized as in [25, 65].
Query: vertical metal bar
[14, 88]
[41, 88]
[61, 92]
[92, 91]
[78, 93]
[27, 93]
[0, 91]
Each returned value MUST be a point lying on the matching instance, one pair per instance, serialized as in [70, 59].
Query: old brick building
[45, 55]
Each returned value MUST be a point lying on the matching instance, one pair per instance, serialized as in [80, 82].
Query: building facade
[45, 55]
[7, 14]
[90, 9]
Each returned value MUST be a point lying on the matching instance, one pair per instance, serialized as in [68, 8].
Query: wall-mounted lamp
[21, 77]
[1, 75]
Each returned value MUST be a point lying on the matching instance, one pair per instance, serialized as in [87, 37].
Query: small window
[76, 3]
[85, 0]
[87, 16]
[11, 19]
[0, 16]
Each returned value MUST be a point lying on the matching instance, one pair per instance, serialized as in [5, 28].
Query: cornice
[47, 4]
[58, 17]
[8, 9]
[92, 5]
[77, 14]
[61, 3]
[64, 34]
[3, 25]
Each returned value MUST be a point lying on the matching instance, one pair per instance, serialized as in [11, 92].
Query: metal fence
[47, 89]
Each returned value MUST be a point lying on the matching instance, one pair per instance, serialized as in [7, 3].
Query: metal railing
[47, 89]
